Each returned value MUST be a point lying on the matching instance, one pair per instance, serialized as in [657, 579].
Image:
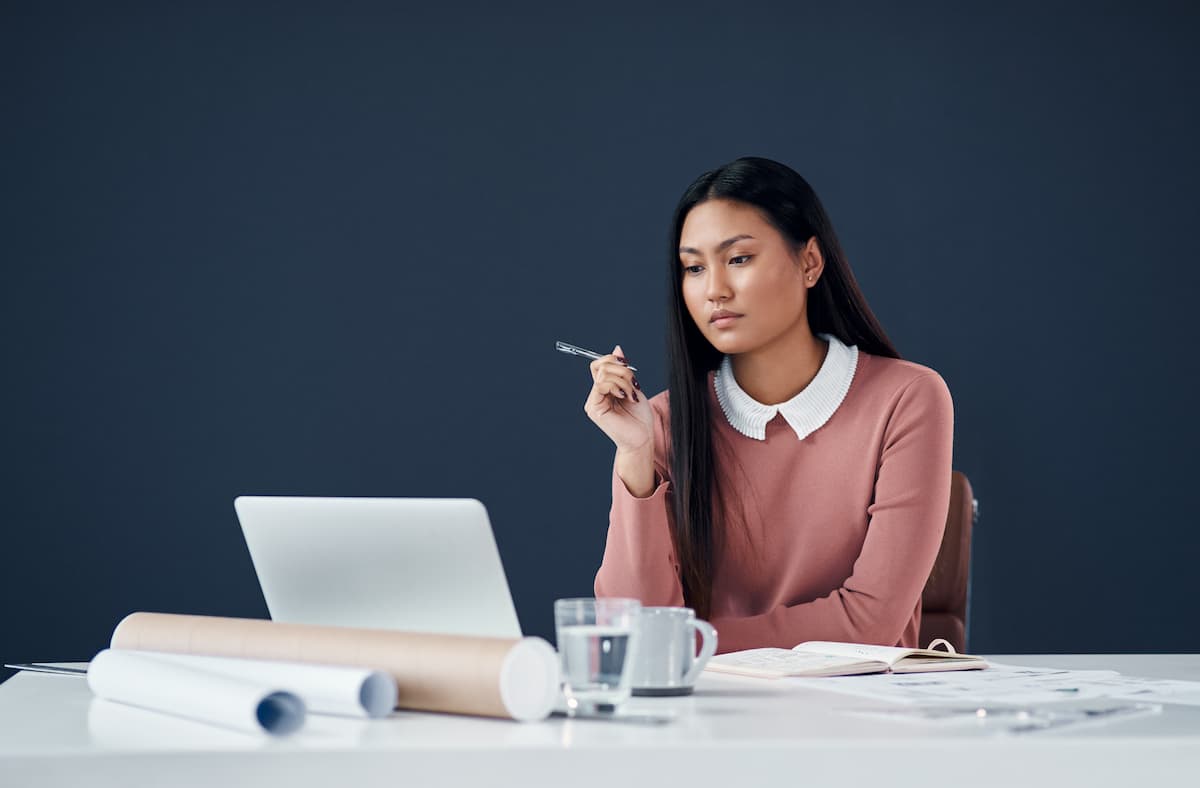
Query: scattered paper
[1010, 685]
[997, 685]
[1185, 693]
[1017, 719]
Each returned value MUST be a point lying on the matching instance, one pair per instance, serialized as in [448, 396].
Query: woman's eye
[693, 269]
[740, 259]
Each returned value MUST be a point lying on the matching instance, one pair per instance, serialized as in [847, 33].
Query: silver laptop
[415, 564]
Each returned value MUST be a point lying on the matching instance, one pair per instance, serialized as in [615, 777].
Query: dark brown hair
[836, 306]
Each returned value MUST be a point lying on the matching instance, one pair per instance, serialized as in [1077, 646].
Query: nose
[717, 285]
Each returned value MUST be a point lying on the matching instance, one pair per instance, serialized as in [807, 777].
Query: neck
[781, 369]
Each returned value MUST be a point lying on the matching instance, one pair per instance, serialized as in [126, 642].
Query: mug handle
[708, 647]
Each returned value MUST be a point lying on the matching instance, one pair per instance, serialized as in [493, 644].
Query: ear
[812, 262]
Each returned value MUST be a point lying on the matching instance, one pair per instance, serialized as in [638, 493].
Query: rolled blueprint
[515, 678]
[141, 680]
[325, 689]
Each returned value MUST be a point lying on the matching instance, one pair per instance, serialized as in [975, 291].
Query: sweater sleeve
[905, 523]
[639, 557]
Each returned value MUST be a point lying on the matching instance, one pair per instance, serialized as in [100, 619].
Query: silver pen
[563, 347]
[42, 667]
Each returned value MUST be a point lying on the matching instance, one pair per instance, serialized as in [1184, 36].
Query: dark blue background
[326, 250]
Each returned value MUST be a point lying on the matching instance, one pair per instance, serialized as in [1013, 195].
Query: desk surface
[732, 731]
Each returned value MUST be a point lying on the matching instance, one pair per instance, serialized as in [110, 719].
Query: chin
[729, 345]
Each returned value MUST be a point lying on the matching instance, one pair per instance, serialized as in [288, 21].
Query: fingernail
[635, 397]
[636, 385]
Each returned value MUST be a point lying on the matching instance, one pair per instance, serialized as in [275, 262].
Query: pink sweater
[841, 528]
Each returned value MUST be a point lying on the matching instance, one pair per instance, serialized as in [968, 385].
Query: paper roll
[141, 680]
[325, 689]
[515, 678]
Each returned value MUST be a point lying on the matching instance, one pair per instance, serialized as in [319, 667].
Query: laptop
[414, 564]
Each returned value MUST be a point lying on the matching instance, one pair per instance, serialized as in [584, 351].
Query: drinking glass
[597, 642]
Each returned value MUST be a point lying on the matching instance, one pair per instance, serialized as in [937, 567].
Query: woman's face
[735, 261]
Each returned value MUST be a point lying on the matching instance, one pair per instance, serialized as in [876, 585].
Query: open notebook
[822, 658]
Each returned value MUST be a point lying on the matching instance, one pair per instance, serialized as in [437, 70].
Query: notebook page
[886, 654]
[785, 662]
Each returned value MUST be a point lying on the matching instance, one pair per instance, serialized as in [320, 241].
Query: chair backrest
[944, 600]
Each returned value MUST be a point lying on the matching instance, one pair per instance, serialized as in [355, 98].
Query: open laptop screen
[414, 564]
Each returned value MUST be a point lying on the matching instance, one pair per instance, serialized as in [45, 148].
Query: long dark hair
[836, 306]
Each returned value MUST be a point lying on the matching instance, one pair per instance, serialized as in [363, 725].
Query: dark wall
[327, 249]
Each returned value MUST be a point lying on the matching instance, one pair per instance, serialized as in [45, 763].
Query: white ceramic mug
[666, 662]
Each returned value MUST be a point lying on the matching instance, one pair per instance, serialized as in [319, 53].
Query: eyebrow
[728, 242]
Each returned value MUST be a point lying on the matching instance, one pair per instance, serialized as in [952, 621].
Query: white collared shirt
[807, 411]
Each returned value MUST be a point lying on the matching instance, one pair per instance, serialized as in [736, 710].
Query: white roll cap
[529, 682]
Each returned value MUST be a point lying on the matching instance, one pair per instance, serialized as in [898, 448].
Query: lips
[721, 313]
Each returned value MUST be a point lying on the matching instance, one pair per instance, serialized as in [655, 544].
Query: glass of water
[596, 643]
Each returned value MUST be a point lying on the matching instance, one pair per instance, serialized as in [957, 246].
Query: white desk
[733, 732]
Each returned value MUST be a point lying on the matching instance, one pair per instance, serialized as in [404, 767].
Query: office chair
[947, 593]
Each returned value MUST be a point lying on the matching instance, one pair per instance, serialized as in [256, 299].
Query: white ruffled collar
[807, 411]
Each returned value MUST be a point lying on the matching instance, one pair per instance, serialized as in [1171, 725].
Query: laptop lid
[415, 564]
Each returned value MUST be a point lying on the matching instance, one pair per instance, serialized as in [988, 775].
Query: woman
[794, 481]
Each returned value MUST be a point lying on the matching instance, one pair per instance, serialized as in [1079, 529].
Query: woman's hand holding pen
[619, 408]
